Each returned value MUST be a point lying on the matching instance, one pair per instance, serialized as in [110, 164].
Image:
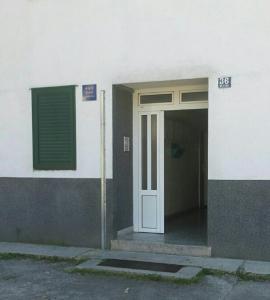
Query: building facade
[186, 92]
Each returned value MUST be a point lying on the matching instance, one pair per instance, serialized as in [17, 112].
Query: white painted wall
[50, 43]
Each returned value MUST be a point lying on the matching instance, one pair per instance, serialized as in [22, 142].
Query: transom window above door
[156, 98]
[189, 97]
[194, 96]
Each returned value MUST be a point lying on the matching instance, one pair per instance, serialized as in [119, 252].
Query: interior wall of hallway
[181, 173]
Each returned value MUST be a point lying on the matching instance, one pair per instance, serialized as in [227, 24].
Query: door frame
[159, 192]
[139, 109]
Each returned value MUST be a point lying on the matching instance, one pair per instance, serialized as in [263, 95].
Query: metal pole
[103, 168]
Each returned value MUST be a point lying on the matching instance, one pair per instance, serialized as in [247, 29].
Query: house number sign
[225, 82]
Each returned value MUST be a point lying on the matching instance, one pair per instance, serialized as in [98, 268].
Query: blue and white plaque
[89, 92]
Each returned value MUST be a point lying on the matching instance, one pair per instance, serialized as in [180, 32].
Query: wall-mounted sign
[225, 82]
[126, 144]
[89, 92]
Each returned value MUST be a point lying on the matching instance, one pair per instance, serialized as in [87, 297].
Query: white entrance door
[151, 172]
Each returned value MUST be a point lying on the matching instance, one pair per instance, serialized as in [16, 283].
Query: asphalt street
[32, 279]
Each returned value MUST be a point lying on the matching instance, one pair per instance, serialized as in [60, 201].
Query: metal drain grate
[140, 265]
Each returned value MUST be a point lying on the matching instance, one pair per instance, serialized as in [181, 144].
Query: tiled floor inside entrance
[185, 229]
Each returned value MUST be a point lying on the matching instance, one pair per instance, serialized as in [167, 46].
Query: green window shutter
[54, 128]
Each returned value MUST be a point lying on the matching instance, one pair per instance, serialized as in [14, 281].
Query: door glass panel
[144, 151]
[154, 152]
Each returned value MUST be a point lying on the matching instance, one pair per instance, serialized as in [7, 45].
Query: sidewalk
[91, 257]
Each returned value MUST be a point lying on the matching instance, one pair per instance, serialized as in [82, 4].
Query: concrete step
[155, 247]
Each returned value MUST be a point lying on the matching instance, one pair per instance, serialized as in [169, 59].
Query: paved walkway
[218, 264]
[42, 250]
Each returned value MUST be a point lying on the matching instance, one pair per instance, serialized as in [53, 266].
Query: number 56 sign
[225, 82]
